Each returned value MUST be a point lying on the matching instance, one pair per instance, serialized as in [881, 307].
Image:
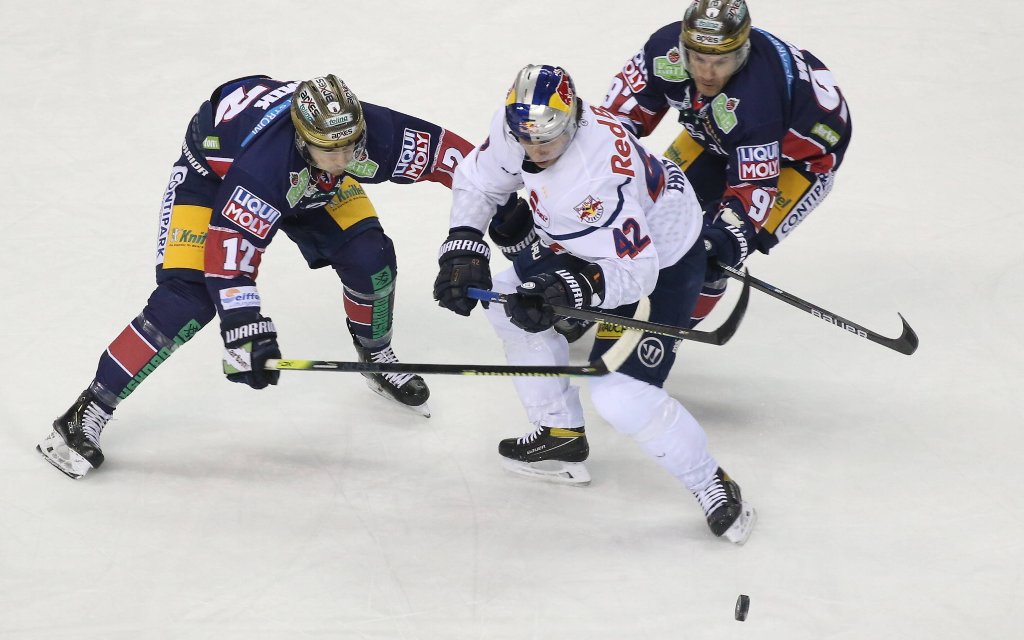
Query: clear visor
[721, 64]
[544, 153]
[335, 160]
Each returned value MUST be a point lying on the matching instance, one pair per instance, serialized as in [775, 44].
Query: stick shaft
[906, 343]
[593, 369]
[717, 337]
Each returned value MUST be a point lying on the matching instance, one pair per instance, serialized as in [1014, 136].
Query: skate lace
[93, 421]
[530, 437]
[386, 355]
[712, 497]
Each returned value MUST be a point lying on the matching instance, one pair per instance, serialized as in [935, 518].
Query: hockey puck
[742, 606]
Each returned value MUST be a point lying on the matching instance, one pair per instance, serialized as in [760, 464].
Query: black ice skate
[74, 444]
[407, 389]
[728, 515]
[549, 453]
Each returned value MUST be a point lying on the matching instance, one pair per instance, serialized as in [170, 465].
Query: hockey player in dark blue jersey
[765, 126]
[263, 155]
[765, 129]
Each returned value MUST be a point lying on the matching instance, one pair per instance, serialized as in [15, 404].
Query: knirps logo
[415, 155]
[758, 162]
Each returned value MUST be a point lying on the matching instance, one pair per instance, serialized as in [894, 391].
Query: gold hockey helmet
[326, 114]
[715, 26]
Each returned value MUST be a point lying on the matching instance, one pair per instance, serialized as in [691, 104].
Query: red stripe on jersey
[131, 350]
[451, 150]
[624, 105]
[745, 194]
[220, 166]
[229, 255]
[358, 312]
[798, 147]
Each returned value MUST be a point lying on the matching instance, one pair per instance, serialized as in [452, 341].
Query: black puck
[742, 606]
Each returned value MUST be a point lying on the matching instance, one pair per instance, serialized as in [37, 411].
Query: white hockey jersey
[606, 200]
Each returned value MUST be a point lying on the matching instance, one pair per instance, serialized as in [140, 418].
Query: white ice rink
[888, 487]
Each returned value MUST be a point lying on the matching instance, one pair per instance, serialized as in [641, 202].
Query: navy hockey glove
[465, 261]
[726, 241]
[511, 227]
[530, 307]
[248, 344]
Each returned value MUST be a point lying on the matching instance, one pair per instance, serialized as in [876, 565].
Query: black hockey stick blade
[905, 343]
[610, 361]
[719, 336]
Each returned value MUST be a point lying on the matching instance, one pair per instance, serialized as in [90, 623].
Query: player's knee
[176, 305]
[366, 266]
[626, 403]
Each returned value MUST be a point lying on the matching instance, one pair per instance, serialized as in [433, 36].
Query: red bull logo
[564, 89]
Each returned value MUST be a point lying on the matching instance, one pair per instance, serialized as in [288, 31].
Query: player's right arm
[637, 95]
[482, 182]
[243, 223]
[486, 178]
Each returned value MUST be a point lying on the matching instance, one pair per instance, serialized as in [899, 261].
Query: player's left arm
[423, 151]
[752, 185]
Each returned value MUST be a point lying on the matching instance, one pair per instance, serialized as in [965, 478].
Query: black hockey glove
[529, 308]
[727, 240]
[511, 227]
[465, 261]
[248, 344]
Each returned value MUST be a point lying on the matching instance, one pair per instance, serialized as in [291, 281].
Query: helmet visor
[537, 124]
[545, 153]
[334, 159]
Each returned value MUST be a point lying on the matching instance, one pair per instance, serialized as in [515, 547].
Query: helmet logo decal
[563, 91]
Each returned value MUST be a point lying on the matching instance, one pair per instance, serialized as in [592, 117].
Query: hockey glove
[248, 344]
[511, 227]
[465, 261]
[530, 307]
[726, 241]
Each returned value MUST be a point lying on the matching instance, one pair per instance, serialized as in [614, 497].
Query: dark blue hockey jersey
[244, 138]
[782, 108]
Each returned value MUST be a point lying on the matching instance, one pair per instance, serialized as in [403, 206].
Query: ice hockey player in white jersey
[615, 223]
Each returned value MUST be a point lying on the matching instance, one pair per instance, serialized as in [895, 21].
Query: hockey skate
[551, 454]
[406, 389]
[728, 515]
[74, 444]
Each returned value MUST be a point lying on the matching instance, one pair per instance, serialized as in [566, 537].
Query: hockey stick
[718, 337]
[610, 361]
[906, 343]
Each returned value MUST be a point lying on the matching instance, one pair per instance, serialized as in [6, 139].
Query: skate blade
[744, 525]
[422, 409]
[574, 474]
[57, 453]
